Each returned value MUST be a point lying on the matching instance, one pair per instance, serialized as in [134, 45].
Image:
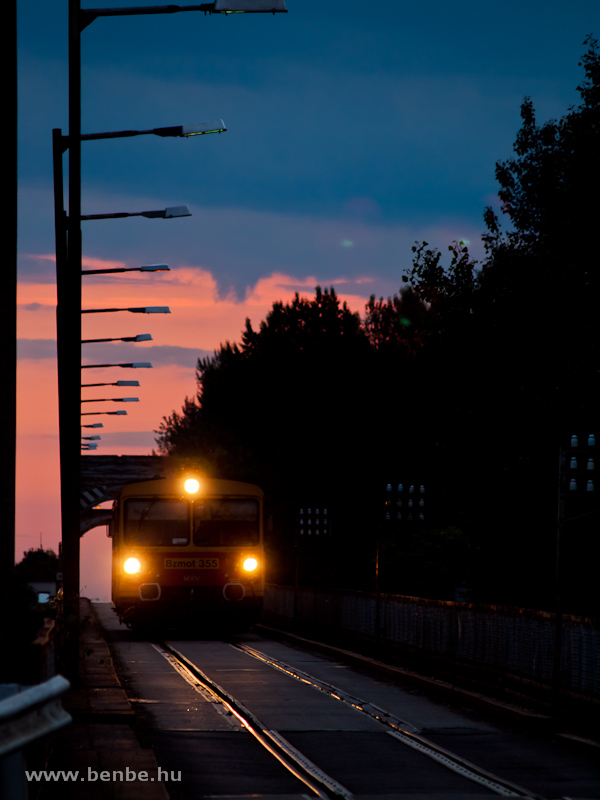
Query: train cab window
[157, 522]
[226, 522]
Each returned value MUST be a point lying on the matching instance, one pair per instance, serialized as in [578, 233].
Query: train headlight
[132, 566]
[192, 486]
[250, 565]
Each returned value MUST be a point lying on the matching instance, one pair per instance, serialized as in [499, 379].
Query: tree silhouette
[521, 339]
[293, 381]
[38, 564]
[468, 376]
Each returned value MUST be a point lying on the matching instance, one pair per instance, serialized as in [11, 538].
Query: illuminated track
[301, 767]
[317, 781]
[400, 730]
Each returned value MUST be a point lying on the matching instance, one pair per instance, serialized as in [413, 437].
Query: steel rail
[401, 730]
[277, 745]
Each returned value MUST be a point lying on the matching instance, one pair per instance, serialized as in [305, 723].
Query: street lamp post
[191, 129]
[164, 213]
[68, 323]
[116, 383]
[131, 365]
[112, 400]
[119, 413]
[135, 310]
[69, 265]
[147, 268]
[141, 337]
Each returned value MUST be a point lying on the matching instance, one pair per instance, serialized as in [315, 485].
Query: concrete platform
[100, 749]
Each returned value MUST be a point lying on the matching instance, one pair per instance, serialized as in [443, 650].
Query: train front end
[188, 551]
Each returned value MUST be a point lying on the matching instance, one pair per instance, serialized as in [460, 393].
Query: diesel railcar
[188, 551]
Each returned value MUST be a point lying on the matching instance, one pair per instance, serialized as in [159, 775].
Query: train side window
[157, 522]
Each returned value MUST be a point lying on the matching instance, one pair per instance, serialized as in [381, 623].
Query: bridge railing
[508, 649]
[27, 713]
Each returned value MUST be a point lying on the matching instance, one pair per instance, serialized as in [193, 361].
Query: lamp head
[177, 211]
[198, 128]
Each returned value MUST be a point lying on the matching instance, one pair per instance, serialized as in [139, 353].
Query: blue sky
[353, 130]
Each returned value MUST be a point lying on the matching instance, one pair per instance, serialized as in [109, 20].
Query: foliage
[448, 291]
[428, 561]
[548, 193]
[467, 378]
[297, 370]
[24, 620]
[38, 564]
[545, 190]
[400, 323]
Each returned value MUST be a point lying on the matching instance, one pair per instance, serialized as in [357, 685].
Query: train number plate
[191, 563]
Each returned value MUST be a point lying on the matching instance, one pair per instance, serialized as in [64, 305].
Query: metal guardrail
[513, 642]
[26, 715]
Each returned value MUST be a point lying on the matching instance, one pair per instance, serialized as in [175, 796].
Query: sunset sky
[353, 130]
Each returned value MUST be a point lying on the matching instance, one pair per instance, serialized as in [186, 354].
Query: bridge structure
[103, 476]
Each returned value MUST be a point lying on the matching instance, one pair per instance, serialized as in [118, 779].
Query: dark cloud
[37, 307]
[36, 269]
[36, 348]
[124, 439]
[158, 356]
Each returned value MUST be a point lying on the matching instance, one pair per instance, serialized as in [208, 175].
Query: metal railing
[458, 637]
[26, 715]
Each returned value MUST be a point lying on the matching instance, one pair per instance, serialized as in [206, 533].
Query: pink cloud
[200, 320]
[87, 261]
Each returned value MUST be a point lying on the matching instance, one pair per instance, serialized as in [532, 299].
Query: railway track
[313, 777]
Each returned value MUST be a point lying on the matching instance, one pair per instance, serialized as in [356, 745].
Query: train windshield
[157, 522]
[226, 521]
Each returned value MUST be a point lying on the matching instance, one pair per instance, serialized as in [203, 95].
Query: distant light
[347, 243]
